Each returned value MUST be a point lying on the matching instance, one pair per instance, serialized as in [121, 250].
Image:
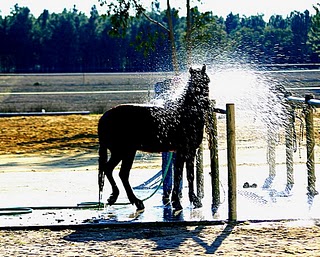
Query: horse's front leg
[190, 177]
[178, 170]
[126, 165]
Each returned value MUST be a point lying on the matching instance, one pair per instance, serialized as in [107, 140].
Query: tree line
[73, 42]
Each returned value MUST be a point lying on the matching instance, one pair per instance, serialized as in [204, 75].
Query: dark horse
[176, 126]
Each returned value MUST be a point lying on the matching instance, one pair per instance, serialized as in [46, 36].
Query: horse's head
[200, 83]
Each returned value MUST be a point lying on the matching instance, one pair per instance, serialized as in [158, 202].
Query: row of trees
[72, 42]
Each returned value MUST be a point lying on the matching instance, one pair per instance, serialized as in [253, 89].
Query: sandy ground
[47, 134]
[65, 135]
[265, 239]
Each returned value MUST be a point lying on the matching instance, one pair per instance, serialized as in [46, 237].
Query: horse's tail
[103, 157]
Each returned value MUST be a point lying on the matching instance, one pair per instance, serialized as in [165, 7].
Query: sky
[218, 7]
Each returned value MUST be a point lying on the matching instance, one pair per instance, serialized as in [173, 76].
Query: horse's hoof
[140, 206]
[197, 204]
[195, 201]
[112, 199]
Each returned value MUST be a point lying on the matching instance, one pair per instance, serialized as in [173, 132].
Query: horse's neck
[193, 100]
[186, 103]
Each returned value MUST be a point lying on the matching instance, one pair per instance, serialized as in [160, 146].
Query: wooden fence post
[231, 154]
[310, 148]
[271, 158]
[214, 157]
[289, 146]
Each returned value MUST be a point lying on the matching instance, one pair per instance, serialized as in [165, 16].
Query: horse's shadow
[166, 238]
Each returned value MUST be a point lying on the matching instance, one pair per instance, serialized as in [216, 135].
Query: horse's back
[134, 126]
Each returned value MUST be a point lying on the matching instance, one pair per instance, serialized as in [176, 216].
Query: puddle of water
[71, 188]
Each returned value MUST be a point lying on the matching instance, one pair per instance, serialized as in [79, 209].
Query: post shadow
[211, 249]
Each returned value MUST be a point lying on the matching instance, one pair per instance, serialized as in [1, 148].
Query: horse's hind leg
[190, 177]
[107, 167]
[124, 176]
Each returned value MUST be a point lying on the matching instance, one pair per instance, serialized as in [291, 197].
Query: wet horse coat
[175, 126]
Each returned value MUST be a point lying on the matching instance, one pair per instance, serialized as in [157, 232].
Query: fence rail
[308, 100]
[76, 92]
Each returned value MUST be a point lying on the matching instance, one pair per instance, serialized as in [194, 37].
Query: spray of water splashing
[256, 95]
[169, 90]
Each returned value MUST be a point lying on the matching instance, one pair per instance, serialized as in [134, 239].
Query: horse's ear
[191, 70]
[204, 68]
